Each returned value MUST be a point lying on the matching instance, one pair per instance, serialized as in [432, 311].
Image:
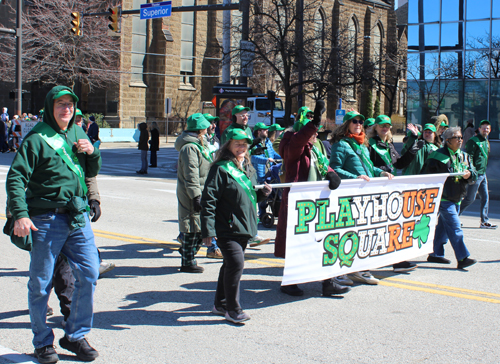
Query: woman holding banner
[384, 155]
[427, 143]
[303, 162]
[229, 213]
[350, 158]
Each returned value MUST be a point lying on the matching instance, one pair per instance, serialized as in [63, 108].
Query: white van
[260, 110]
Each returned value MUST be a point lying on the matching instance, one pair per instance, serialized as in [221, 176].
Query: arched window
[319, 38]
[352, 46]
[377, 35]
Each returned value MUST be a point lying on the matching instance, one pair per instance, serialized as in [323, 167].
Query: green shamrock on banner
[422, 230]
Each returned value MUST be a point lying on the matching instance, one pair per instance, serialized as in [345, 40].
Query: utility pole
[226, 44]
[19, 57]
[245, 29]
[300, 49]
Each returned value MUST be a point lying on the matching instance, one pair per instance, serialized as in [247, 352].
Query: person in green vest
[229, 213]
[350, 158]
[478, 148]
[451, 159]
[240, 121]
[428, 142]
[192, 170]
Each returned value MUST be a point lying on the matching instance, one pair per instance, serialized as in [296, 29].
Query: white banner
[360, 226]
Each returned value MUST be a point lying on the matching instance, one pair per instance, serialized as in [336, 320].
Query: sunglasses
[457, 137]
[310, 116]
[360, 122]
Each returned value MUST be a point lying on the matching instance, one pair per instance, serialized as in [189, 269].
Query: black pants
[64, 284]
[153, 158]
[228, 285]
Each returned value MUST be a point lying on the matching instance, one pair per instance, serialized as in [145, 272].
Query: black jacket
[398, 162]
[143, 137]
[454, 189]
[155, 140]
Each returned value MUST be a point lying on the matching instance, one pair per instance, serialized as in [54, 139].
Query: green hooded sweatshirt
[39, 180]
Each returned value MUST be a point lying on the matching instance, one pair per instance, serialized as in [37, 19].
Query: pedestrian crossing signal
[113, 18]
[75, 24]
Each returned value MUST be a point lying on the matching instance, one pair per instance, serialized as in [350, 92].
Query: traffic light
[113, 18]
[75, 23]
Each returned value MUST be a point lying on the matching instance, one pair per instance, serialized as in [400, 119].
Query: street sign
[339, 116]
[156, 10]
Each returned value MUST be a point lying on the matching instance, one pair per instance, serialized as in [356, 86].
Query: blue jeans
[54, 237]
[448, 227]
[213, 247]
[480, 186]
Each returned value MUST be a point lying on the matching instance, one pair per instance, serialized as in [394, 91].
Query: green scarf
[383, 153]
[204, 152]
[483, 146]
[241, 178]
[365, 160]
[321, 161]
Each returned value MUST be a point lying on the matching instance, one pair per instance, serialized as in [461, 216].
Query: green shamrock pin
[422, 230]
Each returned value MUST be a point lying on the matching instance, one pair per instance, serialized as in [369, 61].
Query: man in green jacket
[478, 148]
[47, 198]
[240, 120]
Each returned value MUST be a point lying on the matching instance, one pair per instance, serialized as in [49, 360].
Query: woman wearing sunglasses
[350, 158]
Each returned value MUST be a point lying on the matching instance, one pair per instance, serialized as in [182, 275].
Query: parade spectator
[350, 158]
[469, 132]
[46, 196]
[304, 162]
[192, 169]
[240, 121]
[229, 213]
[384, 155]
[428, 142]
[4, 120]
[79, 120]
[93, 129]
[450, 159]
[143, 147]
[478, 149]
[154, 143]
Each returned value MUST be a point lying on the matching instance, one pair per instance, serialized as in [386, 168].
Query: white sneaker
[258, 240]
[487, 225]
[105, 267]
[343, 280]
[364, 277]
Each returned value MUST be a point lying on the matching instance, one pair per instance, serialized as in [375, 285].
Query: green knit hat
[239, 108]
[383, 119]
[197, 122]
[351, 115]
[369, 122]
[430, 127]
[238, 134]
[260, 126]
[211, 118]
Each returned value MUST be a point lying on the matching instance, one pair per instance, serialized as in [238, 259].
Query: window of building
[496, 9]
[352, 39]
[187, 45]
[452, 10]
[452, 36]
[478, 10]
[319, 34]
[478, 34]
[376, 37]
[139, 37]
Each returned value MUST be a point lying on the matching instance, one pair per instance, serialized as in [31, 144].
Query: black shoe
[47, 354]
[81, 348]
[467, 262]
[330, 287]
[403, 267]
[292, 290]
[441, 260]
[151, 166]
[192, 269]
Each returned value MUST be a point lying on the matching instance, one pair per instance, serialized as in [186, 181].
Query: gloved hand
[333, 179]
[197, 204]
[255, 142]
[95, 210]
[319, 110]
[417, 146]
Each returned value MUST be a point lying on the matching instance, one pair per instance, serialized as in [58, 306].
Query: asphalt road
[148, 312]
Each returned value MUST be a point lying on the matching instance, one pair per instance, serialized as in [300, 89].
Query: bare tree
[51, 54]
[182, 108]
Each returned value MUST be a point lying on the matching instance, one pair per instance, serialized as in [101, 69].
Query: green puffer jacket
[474, 150]
[223, 138]
[39, 180]
[227, 211]
[346, 162]
[192, 171]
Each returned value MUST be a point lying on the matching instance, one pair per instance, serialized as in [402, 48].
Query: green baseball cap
[78, 113]
[239, 108]
[65, 92]
[276, 127]
[351, 115]
[444, 124]
[484, 122]
[369, 122]
[383, 119]
[260, 126]
[211, 118]
[238, 134]
[197, 122]
[430, 127]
